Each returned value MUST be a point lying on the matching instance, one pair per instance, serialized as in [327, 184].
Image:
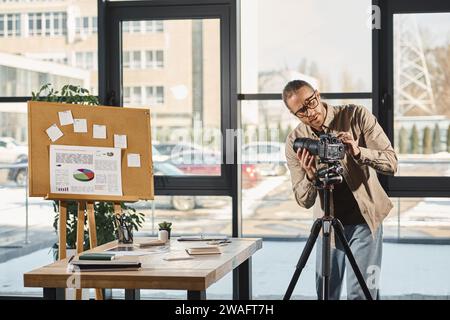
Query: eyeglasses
[310, 103]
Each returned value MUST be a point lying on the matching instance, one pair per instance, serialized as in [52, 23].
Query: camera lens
[309, 144]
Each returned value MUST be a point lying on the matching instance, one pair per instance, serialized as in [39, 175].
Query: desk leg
[196, 295]
[54, 294]
[132, 294]
[242, 281]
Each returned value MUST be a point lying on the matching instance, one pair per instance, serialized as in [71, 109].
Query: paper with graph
[85, 170]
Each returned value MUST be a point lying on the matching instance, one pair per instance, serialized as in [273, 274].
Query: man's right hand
[308, 163]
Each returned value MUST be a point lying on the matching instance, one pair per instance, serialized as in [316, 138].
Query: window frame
[112, 73]
[383, 93]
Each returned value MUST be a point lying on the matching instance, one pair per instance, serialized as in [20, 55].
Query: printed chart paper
[85, 170]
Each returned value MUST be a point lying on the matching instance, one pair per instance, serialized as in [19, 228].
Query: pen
[71, 258]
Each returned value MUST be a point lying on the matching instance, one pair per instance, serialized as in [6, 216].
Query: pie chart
[83, 175]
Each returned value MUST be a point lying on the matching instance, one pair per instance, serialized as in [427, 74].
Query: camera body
[328, 148]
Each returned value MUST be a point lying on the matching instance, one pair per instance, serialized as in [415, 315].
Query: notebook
[204, 250]
[150, 243]
[115, 265]
[96, 256]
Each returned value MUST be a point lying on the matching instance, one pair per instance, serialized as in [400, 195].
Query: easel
[137, 182]
[85, 204]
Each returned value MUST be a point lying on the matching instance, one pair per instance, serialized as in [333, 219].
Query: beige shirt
[377, 155]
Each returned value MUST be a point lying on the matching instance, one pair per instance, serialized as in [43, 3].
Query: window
[154, 26]
[331, 52]
[25, 66]
[86, 60]
[10, 25]
[2, 25]
[47, 23]
[421, 99]
[185, 91]
[154, 59]
[136, 96]
[154, 95]
[135, 60]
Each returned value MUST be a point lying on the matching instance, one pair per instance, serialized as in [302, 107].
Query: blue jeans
[367, 251]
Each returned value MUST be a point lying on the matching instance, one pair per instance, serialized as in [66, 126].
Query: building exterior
[178, 88]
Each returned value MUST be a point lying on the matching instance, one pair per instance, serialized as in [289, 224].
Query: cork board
[137, 183]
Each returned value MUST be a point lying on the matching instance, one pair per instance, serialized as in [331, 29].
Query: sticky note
[99, 131]
[120, 141]
[134, 160]
[79, 125]
[54, 133]
[65, 117]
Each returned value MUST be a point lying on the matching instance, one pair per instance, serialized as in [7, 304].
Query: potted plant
[165, 225]
[103, 211]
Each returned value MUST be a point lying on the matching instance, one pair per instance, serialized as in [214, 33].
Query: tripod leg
[315, 229]
[339, 231]
[326, 257]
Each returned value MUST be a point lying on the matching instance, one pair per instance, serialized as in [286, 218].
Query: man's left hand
[350, 143]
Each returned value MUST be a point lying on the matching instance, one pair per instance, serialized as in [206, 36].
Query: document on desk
[85, 170]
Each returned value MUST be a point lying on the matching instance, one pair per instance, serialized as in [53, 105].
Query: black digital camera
[329, 148]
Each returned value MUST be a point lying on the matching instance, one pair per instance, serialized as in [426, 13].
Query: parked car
[18, 172]
[180, 203]
[268, 156]
[11, 151]
[197, 162]
[14, 157]
[208, 163]
[171, 148]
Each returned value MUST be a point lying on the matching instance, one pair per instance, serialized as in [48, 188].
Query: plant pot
[168, 232]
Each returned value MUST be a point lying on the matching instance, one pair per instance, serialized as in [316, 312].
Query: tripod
[325, 180]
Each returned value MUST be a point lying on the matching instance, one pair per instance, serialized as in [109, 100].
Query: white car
[267, 155]
[11, 151]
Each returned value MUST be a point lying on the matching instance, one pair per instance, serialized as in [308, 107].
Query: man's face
[306, 105]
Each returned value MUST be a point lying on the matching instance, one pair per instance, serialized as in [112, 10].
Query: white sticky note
[65, 117]
[79, 125]
[120, 141]
[54, 133]
[99, 131]
[134, 160]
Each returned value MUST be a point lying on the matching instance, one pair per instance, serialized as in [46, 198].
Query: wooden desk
[194, 276]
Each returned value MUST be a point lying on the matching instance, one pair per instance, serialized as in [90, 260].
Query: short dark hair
[292, 86]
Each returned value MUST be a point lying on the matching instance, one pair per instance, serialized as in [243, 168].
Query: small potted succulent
[165, 225]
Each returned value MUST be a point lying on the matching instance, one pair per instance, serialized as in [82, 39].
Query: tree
[427, 141]
[403, 141]
[414, 140]
[436, 139]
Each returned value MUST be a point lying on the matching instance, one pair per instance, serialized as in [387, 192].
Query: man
[359, 202]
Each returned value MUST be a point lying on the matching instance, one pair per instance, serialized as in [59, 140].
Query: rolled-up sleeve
[304, 191]
[378, 152]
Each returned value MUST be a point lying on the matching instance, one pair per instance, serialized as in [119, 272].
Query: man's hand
[308, 163]
[352, 146]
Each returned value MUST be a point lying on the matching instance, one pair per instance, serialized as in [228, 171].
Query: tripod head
[330, 175]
